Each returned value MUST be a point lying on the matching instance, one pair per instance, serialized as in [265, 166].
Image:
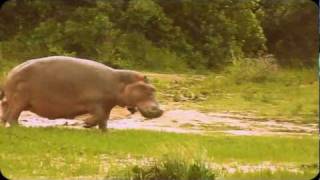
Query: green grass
[268, 175]
[289, 95]
[55, 152]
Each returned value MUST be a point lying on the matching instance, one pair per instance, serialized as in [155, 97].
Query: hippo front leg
[103, 122]
[99, 117]
[11, 112]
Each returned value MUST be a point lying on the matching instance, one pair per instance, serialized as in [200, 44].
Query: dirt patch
[182, 121]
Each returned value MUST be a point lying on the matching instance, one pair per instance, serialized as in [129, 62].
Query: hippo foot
[103, 130]
[12, 124]
[89, 125]
[2, 124]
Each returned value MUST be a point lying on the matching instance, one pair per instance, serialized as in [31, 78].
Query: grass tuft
[170, 167]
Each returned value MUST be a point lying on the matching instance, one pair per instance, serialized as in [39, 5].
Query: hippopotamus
[65, 87]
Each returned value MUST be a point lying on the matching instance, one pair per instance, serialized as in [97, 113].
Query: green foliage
[291, 31]
[127, 54]
[62, 37]
[5, 66]
[278, 175]
[218, 37]
[251, 70]
[173, 168]
[160, 35]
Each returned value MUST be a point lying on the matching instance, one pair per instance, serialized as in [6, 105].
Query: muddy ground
[183, 121]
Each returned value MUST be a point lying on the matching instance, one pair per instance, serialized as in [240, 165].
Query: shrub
[251, 70]
[133, 50]
[5, 67]
[172, 167]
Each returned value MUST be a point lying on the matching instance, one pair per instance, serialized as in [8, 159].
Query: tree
[291, 31]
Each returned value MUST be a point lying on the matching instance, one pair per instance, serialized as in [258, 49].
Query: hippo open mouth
[132, 110]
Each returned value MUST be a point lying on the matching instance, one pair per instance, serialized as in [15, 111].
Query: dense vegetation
[256, 57]
[158, 34]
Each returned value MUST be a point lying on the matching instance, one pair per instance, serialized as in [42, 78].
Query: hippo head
[140, 94]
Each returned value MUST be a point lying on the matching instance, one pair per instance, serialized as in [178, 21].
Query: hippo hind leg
[12, 114]
[4, 109]
[12, 110]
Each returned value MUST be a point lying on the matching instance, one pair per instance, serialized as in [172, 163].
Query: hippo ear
[145, 79]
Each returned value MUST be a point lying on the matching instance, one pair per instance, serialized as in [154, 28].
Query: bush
[5, 67]
[251, 70]
[124, 52]
[171, 167]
